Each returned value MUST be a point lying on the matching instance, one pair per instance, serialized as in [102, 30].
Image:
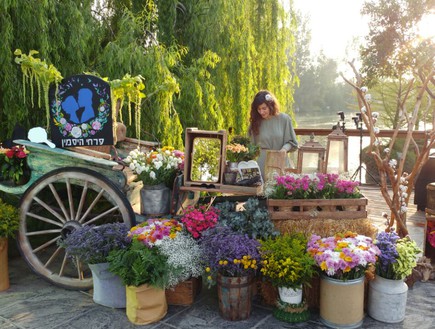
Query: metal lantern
[337, 152]
[311, 157]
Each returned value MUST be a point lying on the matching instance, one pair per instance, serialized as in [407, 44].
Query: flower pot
[185, 292]
[234, 295]
[230, 177]
[108, 288]
[233, 166]
[290, 295]
[387, 300]
[145, 304]
[155, 200]
[4, 271]
[341, 302]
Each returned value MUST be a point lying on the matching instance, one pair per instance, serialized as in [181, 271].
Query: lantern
[311, 157]
[337, 152]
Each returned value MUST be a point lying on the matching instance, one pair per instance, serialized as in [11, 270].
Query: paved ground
[32, 303]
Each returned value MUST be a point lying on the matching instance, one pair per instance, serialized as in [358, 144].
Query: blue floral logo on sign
[81, 112]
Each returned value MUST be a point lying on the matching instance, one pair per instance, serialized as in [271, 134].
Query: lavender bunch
[229, 253]
[398, 256]
[92, 244]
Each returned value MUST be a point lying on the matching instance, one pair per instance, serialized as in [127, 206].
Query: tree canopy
[202, 61]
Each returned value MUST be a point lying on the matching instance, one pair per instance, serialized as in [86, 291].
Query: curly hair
[266, 97]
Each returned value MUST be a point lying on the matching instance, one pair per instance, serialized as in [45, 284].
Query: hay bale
[326, 227]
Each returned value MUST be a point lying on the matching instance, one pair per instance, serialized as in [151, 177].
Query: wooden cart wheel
[54, 206]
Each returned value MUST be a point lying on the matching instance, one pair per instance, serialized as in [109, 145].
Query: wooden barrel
[234, 295]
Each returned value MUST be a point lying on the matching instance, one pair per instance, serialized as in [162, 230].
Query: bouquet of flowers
[314, 186]
[198, 219]
[253, 149]
[236, 152]
[181, 251]
[13, 162]
[343, 256]
[92, 244]
[286, 262]
[398, 256]
[156, 167]
[229, 253]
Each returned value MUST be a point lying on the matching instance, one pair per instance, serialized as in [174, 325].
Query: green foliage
[205, 159]
[9, 220]
[138, 264]
[286, 262]
[252, 220]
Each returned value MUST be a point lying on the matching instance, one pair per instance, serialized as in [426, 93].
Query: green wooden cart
[67, 190]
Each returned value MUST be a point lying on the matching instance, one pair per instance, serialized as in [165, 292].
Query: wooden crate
[185, 292]
[428, 249]
[317, 208]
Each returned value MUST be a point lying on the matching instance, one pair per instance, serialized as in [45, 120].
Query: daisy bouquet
[343, 256]
[157, 166]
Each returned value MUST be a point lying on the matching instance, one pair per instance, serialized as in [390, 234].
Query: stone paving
[32, 303]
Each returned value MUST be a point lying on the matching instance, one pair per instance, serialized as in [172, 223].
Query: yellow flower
[207, 269]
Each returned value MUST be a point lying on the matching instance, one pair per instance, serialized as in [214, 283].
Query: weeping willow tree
[253, 41]
[63, 32]
[202, 61]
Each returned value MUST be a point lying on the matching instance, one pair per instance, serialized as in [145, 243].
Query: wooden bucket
[234, 295]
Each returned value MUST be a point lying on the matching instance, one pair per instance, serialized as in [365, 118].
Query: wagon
[67, 190]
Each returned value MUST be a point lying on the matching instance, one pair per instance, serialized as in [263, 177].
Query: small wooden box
[191, 135]
[185, 292]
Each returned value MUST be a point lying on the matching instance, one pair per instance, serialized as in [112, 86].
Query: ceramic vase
[290, 295]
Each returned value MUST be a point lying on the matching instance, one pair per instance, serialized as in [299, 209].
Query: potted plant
[157, 170]
[9, 223]
[13, 165]
[231, 260]
[342, 260]
[149, 265]
[288, 265]
[388, 292]
[253, 149]
[92, 245]
[197, 219]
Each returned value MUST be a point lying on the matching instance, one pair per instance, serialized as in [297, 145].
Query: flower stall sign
[80, 112]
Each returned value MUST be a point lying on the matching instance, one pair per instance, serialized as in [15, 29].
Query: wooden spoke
[82, 201]
[70, 199]
[44, 219]
[42, 232]
[91, 206]
[102, 215]
[52, 211]
[53, 256]
[45, 245]
[58, 199]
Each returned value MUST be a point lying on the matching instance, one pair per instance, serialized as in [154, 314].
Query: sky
[333, 24]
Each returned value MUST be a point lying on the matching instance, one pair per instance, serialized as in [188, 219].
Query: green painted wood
[43, 159]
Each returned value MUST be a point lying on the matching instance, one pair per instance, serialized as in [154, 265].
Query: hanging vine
[37, 71]
[130, 87]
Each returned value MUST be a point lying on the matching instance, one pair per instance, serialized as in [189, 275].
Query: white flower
[76, 132]
[404, 195]
[368, 97]
[84, 126]
[376, 142]
[386, 150]
[376, 130]
[268, 97]
[364, 89]
[403, 209]
[393, 163]
[158, 164]
[375, 115]
[152, 175]
[363, 109]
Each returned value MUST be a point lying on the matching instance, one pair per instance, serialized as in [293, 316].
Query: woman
[269, 128]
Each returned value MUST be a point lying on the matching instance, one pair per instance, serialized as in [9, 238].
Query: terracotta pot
[4, 271]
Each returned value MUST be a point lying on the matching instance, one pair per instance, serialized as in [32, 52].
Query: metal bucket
[155, 200]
